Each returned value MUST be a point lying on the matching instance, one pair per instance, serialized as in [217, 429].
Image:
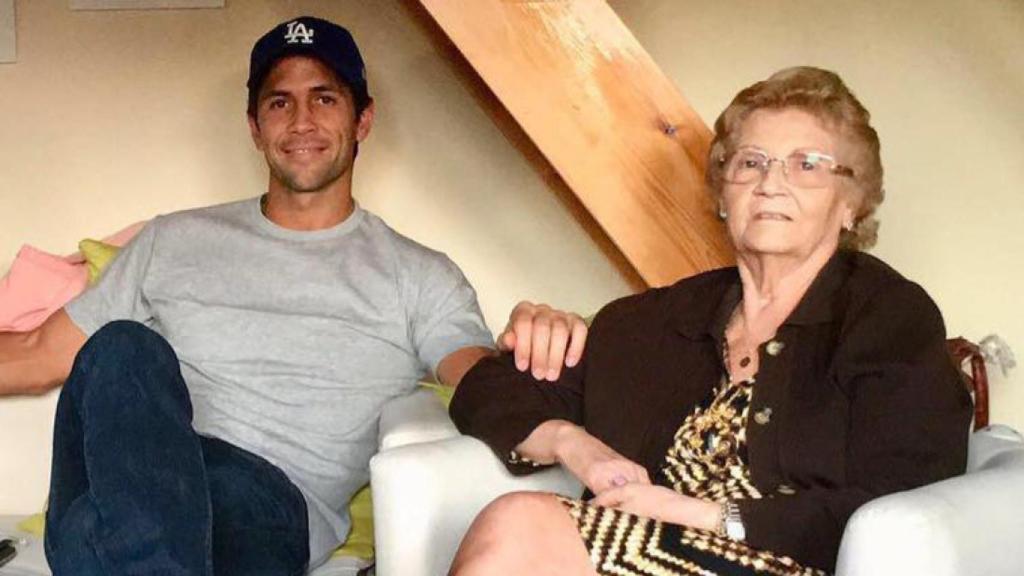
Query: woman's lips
[775, 216]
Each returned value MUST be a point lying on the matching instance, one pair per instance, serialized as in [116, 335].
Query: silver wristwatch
[732, 524]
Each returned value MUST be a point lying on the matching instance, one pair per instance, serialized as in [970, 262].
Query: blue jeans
[134, 490]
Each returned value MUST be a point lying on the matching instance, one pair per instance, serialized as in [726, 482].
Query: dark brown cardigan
[864, 400]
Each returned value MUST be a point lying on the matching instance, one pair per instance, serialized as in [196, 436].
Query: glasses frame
[766, 166]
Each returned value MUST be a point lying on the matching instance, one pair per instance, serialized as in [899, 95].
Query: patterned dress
[708, 460]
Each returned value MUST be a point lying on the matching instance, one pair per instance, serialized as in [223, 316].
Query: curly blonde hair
[823, 94]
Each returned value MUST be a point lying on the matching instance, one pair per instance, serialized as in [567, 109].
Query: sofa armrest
[970, 524]
[417, 417]
[425, 497]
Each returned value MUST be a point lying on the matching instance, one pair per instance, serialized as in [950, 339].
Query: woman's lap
[621, 543]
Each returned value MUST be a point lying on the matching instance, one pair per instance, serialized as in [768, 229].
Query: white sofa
[429, 483]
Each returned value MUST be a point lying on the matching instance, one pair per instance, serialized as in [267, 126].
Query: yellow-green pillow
[34, 524]
[443, 393]
[98, 256]
[360, 539]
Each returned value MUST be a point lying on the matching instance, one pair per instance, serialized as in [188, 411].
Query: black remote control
[7, 551]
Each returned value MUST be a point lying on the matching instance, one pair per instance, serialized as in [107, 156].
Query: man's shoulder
[407, 251]
[205, 215]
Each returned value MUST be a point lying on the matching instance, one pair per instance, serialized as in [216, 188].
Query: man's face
[306, 127]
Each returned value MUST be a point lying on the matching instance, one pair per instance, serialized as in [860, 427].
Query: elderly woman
[732, 423]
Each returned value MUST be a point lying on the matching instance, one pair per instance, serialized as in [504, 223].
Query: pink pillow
[40, 283]
[37, 285]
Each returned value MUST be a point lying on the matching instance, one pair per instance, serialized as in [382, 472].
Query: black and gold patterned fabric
[708, 460]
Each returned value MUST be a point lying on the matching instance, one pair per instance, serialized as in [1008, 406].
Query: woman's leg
[523, 533]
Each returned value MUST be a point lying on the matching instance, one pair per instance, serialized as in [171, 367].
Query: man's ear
[365, 122]
[254, 131]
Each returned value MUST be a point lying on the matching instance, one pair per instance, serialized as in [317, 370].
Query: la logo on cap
[298, 33]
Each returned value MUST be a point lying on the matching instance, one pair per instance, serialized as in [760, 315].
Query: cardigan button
[763, 416]
[774, 347]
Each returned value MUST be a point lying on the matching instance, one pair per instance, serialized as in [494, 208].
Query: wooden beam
[613, 126]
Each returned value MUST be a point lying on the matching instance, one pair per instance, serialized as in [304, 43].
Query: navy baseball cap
[315, 37]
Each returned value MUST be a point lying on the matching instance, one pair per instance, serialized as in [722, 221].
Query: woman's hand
[661, 503]
[595, 464]
[587, 458]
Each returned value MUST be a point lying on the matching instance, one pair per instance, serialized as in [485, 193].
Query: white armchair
[429, 483]
[419, 417]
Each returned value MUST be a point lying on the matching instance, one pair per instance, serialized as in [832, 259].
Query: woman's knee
[503, 530]
[519, 506]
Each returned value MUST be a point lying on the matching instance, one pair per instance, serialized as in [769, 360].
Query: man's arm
[32, 363]
[455, 365]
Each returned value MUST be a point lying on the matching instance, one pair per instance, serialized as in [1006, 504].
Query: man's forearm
[32, 363]
[19, 374]
[455, 365]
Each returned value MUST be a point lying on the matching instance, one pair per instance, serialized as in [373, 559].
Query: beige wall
[112, 117]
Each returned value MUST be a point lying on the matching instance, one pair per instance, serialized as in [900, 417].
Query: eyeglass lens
[804, 169]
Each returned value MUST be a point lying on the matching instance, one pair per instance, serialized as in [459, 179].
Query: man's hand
[593, 462]
[543, 339]
[661, 503]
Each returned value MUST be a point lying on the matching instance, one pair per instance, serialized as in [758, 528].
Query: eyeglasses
[803, 168]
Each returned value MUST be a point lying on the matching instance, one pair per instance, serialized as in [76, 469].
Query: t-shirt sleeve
[444, 314]
[118, 295]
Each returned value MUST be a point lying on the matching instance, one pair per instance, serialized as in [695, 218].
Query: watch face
[735, 530]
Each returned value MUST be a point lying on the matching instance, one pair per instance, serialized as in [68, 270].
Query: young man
[222, 383]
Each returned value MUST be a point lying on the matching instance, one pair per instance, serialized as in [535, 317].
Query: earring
[848, 226]
[722, 214]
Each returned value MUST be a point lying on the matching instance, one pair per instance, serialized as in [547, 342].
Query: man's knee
[125, 361]
[126, 338]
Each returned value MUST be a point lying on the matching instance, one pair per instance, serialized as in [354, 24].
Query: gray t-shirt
[291, 342]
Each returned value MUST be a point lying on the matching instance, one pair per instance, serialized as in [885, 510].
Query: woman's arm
[502, 406]
[663, 504]
[593, 462]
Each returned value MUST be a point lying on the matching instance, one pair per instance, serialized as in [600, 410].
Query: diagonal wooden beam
[613, 126]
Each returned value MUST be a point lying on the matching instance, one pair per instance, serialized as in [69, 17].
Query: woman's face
[772, 216]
